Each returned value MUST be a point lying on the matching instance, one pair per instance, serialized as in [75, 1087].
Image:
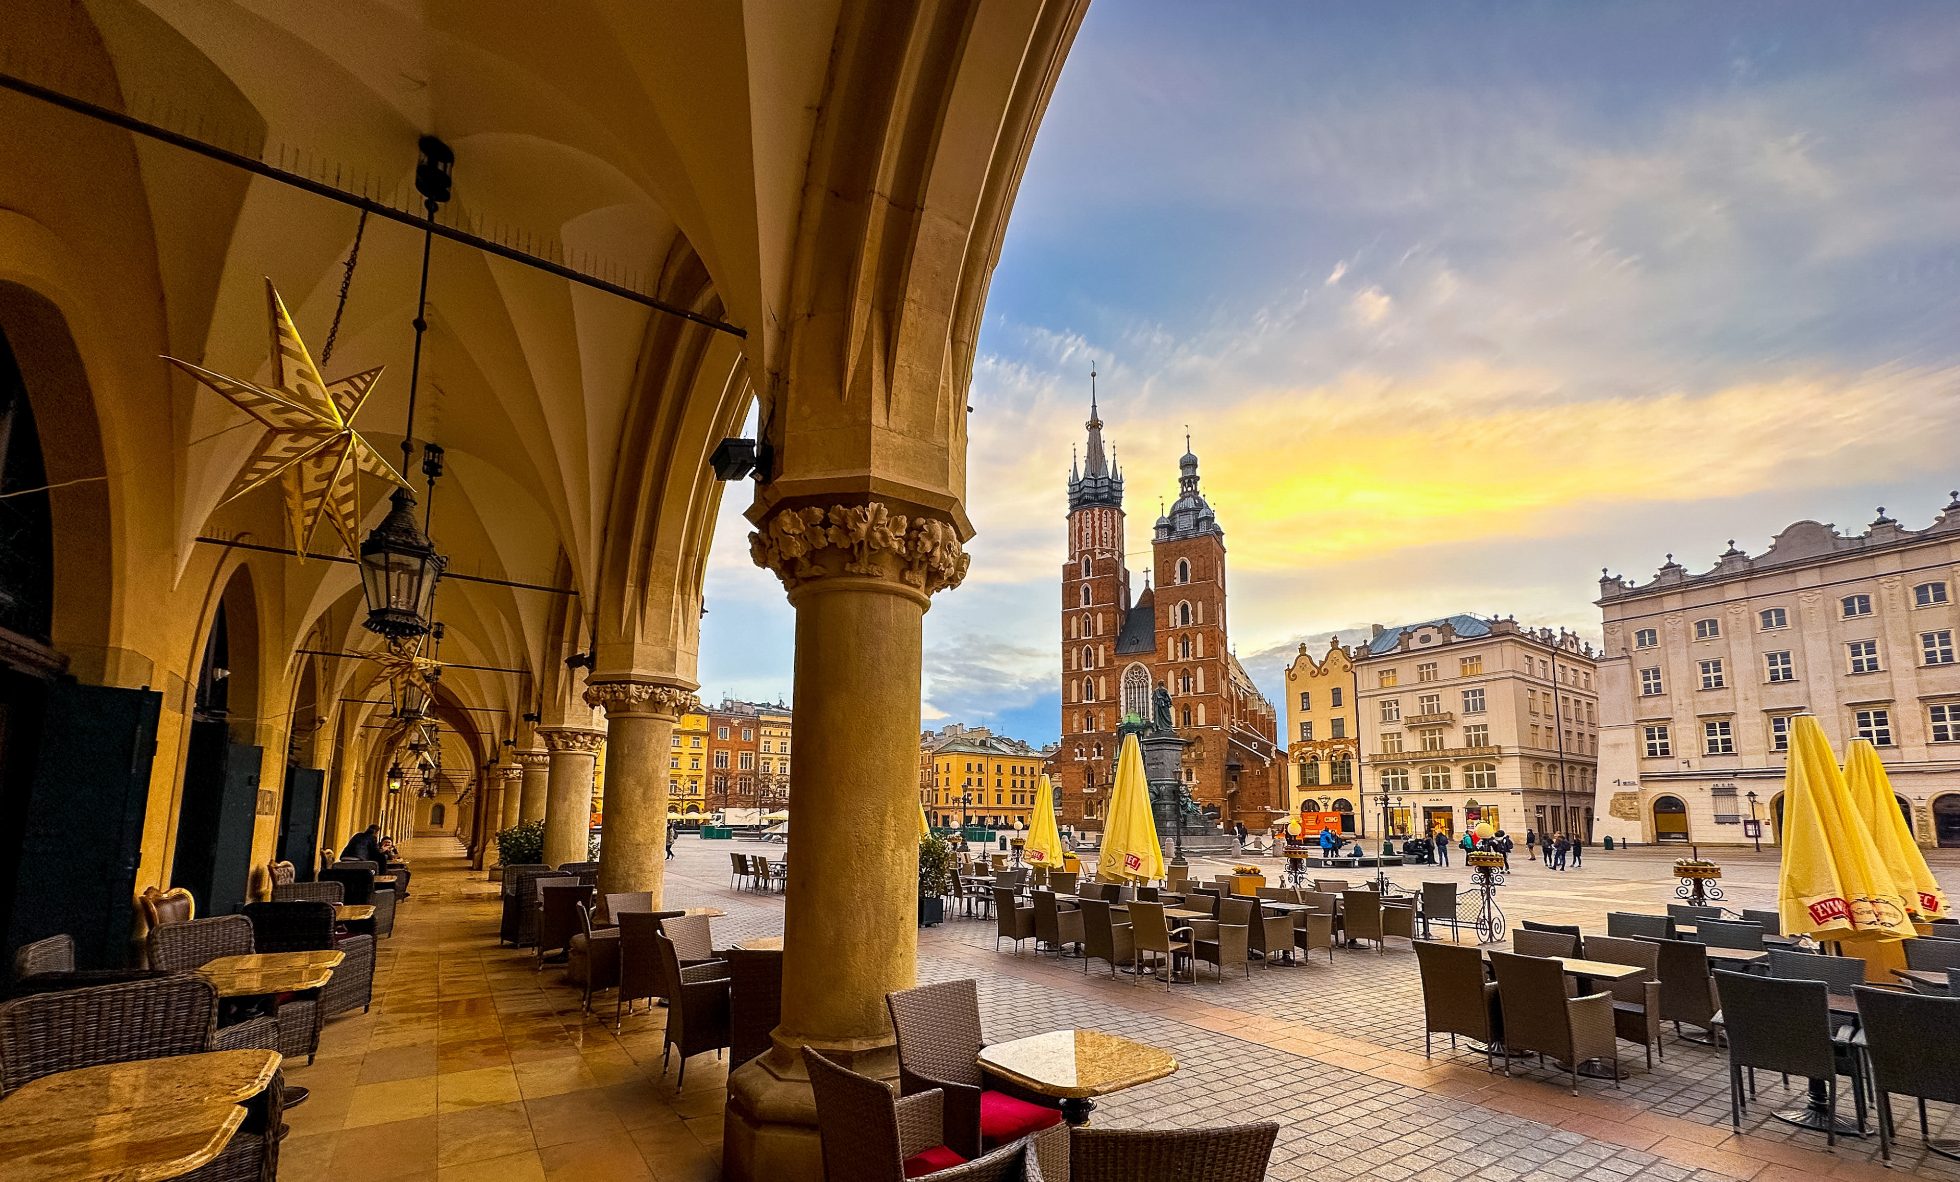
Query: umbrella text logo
[1825, 910]
[1132, 862]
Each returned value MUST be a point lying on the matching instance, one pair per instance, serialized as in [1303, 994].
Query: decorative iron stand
[1700, 881]
[1488, 874]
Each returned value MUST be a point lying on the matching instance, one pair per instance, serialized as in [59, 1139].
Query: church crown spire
[1097, 465]
[1098, 482]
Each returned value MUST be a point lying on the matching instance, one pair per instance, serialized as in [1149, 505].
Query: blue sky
[1462, 302]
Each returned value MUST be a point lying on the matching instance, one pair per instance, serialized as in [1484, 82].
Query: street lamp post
[966, 799]
[1755, 826]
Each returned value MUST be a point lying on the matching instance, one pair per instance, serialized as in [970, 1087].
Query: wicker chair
[294, 1029]
[1779, 1025]
[1725, 933]
[1331, 886]
[1314, 930]
[738, 869]
[755, 1001]
[1687, 993]
[1909, 1041]
[1527, 942]
[309, 892]
[531, 888]
[1457, 998]
[1063, 882]
[1013, 919]
[693, 937]
[153, 1018]
[697, 1009]
[1931, 956]
[1103, 938]
[616, 902]
[1564, 929]
[592, 958]
[868, 1135]
[1361, 917]
[1629, 925]
[56, 954]
[155, 907]
[1771, 921]
[939, 1043]
[1399, 920]
[641, 973]
[1235, 1153]
[1150, 933]
[302, 926]
[1539, 1017]
[1692, 912]
[1636, 1000]
[1271, 935]
[1226, 940]
[1439, 905]
[1055, 926]
[560, 902]
[1842, 973]
[516, 894]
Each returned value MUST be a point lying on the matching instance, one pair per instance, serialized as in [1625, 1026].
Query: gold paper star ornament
[310, 445]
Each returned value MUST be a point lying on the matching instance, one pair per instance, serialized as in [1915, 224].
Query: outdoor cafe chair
[56, 954]
[516, 895]
[1457, 998]
[299, 925]
[1054, 925]
[1439, 903]
[1908, 1041]
[1204, 900]
[1361, 917]
[183, 947]
[1013, 919]
[1013, 880]
[1531, 942]
[1631, 924]
[868, 1135]
[1687, 993]
[697, 1009]
[1150, 933]
[1103, 938]
[1313, 930]
[1332, 886]
[1841, 973]
[1281, 894]
[1932, 955]
[1271, 934]
[1569, 929]
[308, 892]
[1234, 1153]
[738, 869]
[1771, 921]
[592, 960]
[755, 1001]
[1777, 1024]
[559, 903]
[939, 1044]
[1637, 999]
[1227, 939]
[641, 975]
[1038, 878]
[1062, 882]
[1728, 933]
[1693, 912]
[1177, 879]
[1399, 920]
[1539, 1017]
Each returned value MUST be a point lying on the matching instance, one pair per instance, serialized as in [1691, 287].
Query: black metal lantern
[394, 777]
[399, 572]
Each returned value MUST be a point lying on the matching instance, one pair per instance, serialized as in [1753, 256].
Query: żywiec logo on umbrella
[1132, 862]
[1825, 911]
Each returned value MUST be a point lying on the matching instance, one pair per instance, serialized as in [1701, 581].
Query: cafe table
[130, 1122]
[260, 974]
[763, 944]
[1937, 981]
[1075, 1066]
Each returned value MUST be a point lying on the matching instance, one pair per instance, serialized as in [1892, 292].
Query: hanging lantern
[399, 572]
[394, 777]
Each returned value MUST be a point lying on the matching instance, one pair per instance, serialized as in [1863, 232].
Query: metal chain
[346, 281]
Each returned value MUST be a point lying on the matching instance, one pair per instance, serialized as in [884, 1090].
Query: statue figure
[1160, 711]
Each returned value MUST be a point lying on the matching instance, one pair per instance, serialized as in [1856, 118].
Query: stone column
[574, 753]
[859, 577]
[483, 837]
[640, 720]
[513, 777]
[536, 765]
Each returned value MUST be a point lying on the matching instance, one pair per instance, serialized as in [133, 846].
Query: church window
[1184, 614]
[1184, 682]
[1187, 716]
[1184, 648]
[1085, 596]
[1098, 750]
[1088, 689]
[1085, 566]
[1183, 570]
[1088, 657]
[1136, 692]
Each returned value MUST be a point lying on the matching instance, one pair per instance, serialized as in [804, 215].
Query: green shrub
[522, 844]
[935, 866]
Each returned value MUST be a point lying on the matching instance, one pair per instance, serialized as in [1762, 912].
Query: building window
[1772, 618]
[1085, 595]
[1432, 740]
[1718, 737]
[1864, 656]
[1473, 701]
[1480, 777]
[1426, 671]
[721, 759]
[1708, 629]
[1085, 566]
[1928, 594]
[1391, 709]
[1337, 728]
[1306, 732]
[1391, 742]
[1476, 735]
[1343, 772]
[1429, 704]
[721, 732]
[1936, 648]
[1646, 638]
[1946, 723]
[747, 761]
[1436, 778]
[1184, 614]
[1334, 697]
[1184, 648]
[1136, 691]
[1659, 746]
[1470, 666]
[1779, 732]
[1650, 683]
[1306, 700]
[1385, 678]
[1711, 674]
[1395, 779]
[1186, 722]
[1183, 570]
[1183, 683]
[1856, 605]
[1874, 726]
[1778, 666]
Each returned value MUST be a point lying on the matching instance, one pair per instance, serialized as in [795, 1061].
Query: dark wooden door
[214, 826]
[299, 820]
[82, 821]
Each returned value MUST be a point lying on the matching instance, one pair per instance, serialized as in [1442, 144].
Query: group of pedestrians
[1557, 848]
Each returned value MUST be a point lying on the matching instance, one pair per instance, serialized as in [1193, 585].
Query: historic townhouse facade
[1323, 735]
[1466, 719]
[1703, 673]
[970, 774]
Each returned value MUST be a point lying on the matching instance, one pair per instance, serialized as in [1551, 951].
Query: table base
[1816, 1118]
[1603, 1069]
[1076, 1110]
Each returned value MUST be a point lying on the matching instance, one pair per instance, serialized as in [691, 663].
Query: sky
[1460, 302]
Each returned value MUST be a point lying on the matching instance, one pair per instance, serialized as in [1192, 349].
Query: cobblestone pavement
[475, 1064]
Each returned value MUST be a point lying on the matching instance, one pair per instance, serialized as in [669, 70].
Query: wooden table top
[1746, 955]
[385, 880]
[1075, 1064]
[353, 912]
[130, 1122]
[264, 973]
[763, 944]
[1598, 968]
[1927, 977]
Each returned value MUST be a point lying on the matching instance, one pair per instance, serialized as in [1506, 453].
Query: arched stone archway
[221, 798]
[1946, 820]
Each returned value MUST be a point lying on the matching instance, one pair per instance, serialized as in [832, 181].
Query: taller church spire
[1098, 483]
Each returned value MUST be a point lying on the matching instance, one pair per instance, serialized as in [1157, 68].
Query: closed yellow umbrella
[1832, 884]
[925, 828]
[1130, 849]
[1871, 796]
[1044, 843]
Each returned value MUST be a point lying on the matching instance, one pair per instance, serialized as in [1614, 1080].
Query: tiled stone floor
[474, 1065]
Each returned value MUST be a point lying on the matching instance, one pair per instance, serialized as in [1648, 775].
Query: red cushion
[931, 1161]
[1004, 1118]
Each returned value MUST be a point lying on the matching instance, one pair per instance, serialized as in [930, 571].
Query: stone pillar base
[769, 1129]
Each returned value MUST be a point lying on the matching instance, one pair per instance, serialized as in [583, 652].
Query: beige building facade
[1323, 735]
[1466, 719]
[1703, 672]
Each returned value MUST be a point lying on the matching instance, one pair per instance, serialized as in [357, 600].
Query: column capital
[536, 757]
[512, 771]
[570, 738]
[640, 699]
[867, 539]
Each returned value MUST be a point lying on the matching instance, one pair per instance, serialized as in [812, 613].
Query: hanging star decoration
[405, 668]
[310, 445]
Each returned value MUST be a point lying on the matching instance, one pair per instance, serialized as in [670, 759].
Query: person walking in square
[1578, 847]
[1530, 842]
[1441, 842]
[1545, 847]
[1560, 846]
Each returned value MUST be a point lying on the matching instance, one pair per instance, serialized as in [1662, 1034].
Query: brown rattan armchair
[1636, 1000]
[1056, 925]
[1909, 1041]
[592, 958]
[1780, 1025]
[614, 903]
[697, 1008]
[516, 894]
[1103, 938]
[642, 975]
[869, 1135]
[1235, 1153]
[1013, 919]
[1226, 940]
[309, 892]
[1539, 1017]
[295, 925]
[1361, 917]
[559, 903]
[939, 1043]
[294, 1026]
[1439, 905]
[1457, 998]
[1314, 930]
[1149, 932]
[1687, 993]
[1399, 920]
[1272, 935]
[1532, 942]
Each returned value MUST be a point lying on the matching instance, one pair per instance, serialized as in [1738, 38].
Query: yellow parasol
[1044, 841]
[1130, 849]
[1833, 884]
[925, 828]
[1871, 796]
[778, 815]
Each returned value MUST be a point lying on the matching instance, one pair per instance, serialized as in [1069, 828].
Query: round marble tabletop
[226, 1077]
[1075, 1064]
[353, 912]
[763, 944]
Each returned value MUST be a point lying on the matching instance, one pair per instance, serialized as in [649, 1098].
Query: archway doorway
[1946, 820]
[219, 809]
[1670, 819]
[438, 815]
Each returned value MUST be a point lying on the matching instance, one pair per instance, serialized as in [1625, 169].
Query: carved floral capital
[638, 699]
[533, 758]
[584, 742]
[513, 772]
[804, 544]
